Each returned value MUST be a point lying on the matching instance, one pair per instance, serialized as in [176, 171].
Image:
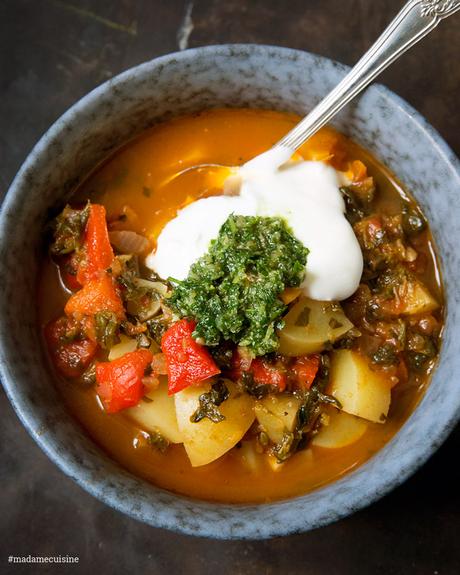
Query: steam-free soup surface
[147, 181]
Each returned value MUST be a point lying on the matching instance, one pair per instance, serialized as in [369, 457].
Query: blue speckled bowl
[240, 75]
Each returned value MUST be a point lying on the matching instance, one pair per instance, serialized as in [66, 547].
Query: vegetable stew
[231, 384]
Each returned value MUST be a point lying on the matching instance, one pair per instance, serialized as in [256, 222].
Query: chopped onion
[128, 242]
[152, 310]
[118, 350]
[159, 366]
[151, 382]
[159, 287]
[245, 357]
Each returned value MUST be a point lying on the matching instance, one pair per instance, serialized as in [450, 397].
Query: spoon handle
[416, 19]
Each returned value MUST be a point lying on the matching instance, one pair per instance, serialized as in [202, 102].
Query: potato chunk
[205, 441]
[309, 325]
[157, 413]
[342, 430]
[418, 300]
[277, 414]
[125, 345]
[411, 297]
[248, 456]
[360, 390]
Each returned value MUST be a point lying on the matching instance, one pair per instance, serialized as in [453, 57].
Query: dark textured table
[51, 54]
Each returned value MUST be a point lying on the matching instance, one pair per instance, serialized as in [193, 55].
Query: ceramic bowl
[233, 75]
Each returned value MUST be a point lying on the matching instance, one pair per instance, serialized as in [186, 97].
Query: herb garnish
[232, 291]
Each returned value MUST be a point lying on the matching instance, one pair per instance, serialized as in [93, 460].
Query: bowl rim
[72, 468]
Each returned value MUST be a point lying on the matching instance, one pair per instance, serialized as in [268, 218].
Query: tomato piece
[99, 252]
[187, 361]
[394, 374]
[370, 232]
[70, 281]
[61, 330]
[305, 369]
[96, 296]
[374, 228]
[402, 373]
[241, 362]
[68, 271]
[70, 358]
[73, 358]
[119, 382]
[267, 374]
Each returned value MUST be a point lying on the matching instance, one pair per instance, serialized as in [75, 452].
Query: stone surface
[51, 54]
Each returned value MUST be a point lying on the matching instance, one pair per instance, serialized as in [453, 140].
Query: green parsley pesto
[232, 292]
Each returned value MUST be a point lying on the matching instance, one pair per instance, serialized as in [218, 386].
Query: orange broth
[141, 181]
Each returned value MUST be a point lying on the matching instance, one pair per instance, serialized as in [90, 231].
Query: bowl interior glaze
[234, 75]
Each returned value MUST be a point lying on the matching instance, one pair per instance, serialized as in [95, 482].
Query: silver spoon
[414, 21]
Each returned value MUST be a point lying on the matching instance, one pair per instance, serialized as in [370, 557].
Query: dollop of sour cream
[305, 194]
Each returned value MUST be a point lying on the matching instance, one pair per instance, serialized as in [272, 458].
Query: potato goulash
[246, 345]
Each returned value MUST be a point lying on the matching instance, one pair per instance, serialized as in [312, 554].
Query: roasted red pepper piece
[267, 374]
[119, 382]
[188, 362]
[95, 296]
[305, 369]
[98, 251]
[70, 358]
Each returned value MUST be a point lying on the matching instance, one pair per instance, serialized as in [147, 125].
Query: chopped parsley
[232, 291]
